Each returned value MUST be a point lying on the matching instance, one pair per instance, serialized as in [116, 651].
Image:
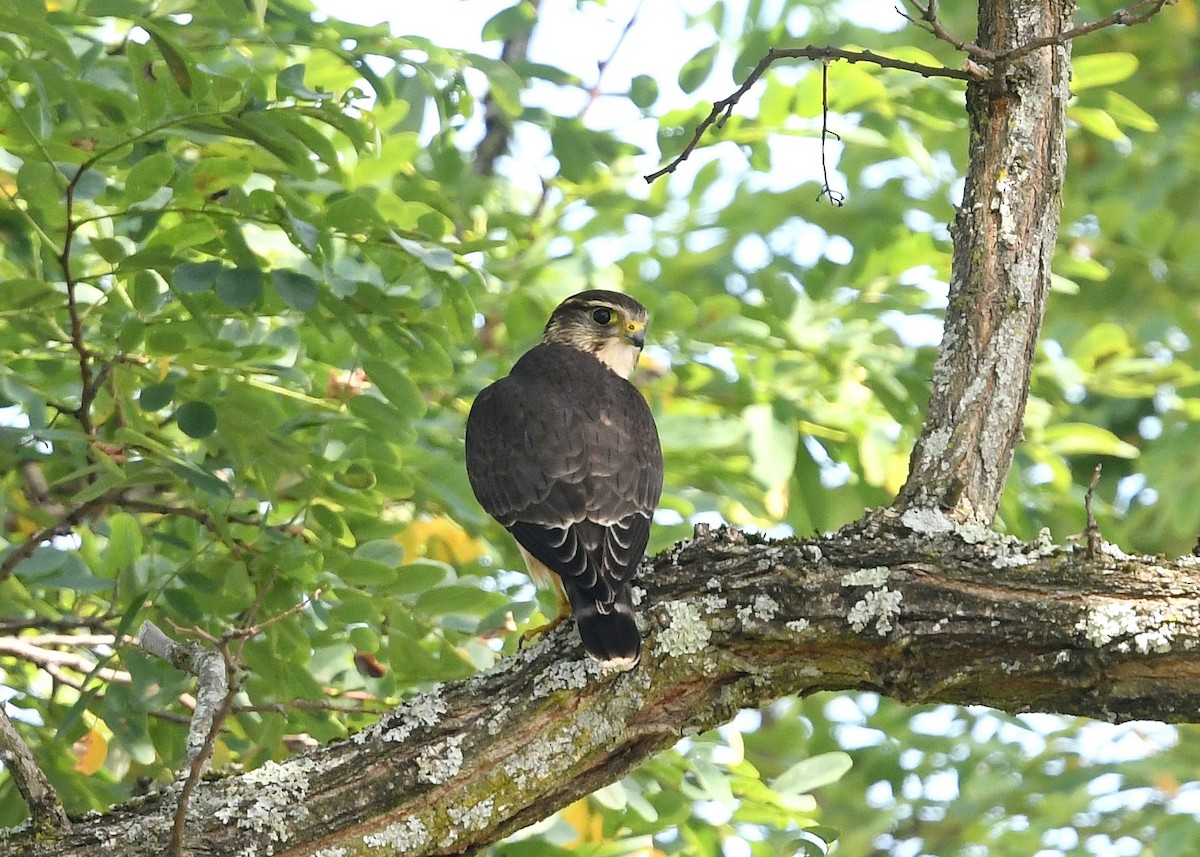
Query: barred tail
[609, 630]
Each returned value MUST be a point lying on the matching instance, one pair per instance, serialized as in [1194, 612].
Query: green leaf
[148, 175]
[124, 543]
[1099, 122]
[772, 440]
[196, 419]
[455, 598]
[1085, 439]
[643, 90]
[1125, 112]
[505, 85]
[155, 397]
[299, 291]
[1103, 343]
[419, 576]
[697, 69]
[812, 773]
[433, 257]
[239, 287]
[364, 639]
[385, 551]
[195, 277]
[1092, 70]
[178, 63]
[397, 387]
[507, 23]
[364, 572]
[290, 81]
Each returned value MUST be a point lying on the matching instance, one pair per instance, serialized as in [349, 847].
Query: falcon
[564, 453]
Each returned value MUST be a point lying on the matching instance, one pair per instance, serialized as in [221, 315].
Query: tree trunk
[1004, 239]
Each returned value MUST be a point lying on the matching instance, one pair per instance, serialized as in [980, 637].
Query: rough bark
[1004, 237]
[948, 614]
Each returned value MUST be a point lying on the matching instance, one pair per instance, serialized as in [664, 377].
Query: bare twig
[928, 20]
[45, 809]
[378, 707]
[254, 629]
[60, 527]
[14, 626]
[1091, 532]
[54, 660]
[836, 198]
[83, 413]
[1135, 13]
[603, 64]
[723, 109]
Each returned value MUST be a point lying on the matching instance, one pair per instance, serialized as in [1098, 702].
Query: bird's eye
[602, 316]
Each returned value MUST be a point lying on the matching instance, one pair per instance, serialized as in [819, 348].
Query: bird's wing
[565, 454]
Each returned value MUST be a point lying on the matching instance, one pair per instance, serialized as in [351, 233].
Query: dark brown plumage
[565, 454]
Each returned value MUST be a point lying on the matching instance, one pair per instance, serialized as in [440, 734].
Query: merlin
[564, 453]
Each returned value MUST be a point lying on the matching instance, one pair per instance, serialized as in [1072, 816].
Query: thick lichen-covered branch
[921, 608]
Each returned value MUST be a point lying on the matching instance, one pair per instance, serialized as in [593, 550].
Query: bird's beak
[635, 332]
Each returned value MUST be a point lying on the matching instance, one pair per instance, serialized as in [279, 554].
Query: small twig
[254, 629]
[1091, 532]
[603, 65]
[60, 527]
[723, 109]
[54, 661]
[331, 705]
[928, 21]
[1135, 13]
[83, 413]
[45, 809]
[15, 626]
[836, 198]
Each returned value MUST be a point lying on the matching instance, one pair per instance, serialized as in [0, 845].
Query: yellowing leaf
[90, 752]
[589, 825]
[439, 538]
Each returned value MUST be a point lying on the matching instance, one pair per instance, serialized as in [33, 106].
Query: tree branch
[209, 669]
[946, 613]
[45, 809]
[497, 126]
[64, 525]
[723, 109]
[214, 698]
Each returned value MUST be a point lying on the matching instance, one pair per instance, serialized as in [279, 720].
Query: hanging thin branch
[723, 109]
[836, 198]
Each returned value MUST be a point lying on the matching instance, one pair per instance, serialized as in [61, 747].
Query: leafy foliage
[252, 279]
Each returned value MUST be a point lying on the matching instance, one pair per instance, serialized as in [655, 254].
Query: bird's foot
[532, 635]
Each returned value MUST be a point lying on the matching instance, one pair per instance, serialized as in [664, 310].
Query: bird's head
[609, 325]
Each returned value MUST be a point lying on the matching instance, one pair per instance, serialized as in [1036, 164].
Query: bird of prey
[563, 452]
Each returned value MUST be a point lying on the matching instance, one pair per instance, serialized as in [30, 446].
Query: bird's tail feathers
[609, 630]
